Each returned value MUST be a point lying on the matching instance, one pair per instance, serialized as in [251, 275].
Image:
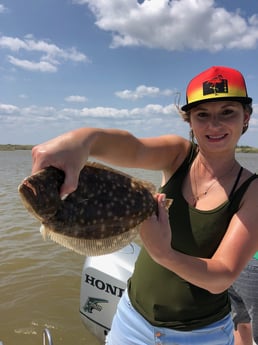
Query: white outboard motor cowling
[103, 282]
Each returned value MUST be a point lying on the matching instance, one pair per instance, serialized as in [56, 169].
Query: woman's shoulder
[181, 150]
[249, 187]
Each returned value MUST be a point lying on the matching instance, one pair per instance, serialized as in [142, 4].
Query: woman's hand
[65, 152]
[156, 233]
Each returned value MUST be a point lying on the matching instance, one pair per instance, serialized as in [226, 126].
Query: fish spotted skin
[101, 216]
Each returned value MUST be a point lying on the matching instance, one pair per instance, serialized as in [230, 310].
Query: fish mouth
[34, 200]
[28, 191]
[28, 195]
[28, 187]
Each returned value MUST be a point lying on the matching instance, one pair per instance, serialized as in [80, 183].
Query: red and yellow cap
[215, 84]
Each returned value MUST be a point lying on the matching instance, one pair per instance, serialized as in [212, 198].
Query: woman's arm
[235, 250]
[71, 150]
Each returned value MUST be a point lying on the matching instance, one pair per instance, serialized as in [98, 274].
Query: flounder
[101, 216]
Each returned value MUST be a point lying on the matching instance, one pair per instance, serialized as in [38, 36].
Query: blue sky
[65, 64]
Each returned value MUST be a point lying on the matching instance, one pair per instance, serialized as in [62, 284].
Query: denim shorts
[244, 297]
[130, 328]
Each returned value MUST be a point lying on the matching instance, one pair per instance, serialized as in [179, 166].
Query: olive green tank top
[161, 296]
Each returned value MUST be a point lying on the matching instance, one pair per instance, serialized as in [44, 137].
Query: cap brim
[245, 100]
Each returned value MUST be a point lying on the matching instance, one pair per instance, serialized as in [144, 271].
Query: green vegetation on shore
[14, 147]
[11, 147]
[247, 149]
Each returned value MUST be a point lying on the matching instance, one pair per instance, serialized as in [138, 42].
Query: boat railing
[47, 338]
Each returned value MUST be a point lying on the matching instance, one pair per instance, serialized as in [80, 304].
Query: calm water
[40, 280]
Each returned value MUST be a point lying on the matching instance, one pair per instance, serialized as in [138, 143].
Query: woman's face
[218, 124]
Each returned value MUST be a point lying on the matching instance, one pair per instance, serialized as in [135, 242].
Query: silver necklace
[198, 196]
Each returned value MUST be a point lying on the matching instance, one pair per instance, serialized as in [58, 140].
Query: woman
[178, 291]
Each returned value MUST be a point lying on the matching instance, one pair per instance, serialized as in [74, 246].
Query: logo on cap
[215, 85]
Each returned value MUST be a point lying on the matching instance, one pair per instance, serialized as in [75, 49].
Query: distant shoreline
[246, 149]
[14, 147]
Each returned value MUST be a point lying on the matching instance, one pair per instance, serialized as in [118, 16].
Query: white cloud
[76, 99]
[42, 66]
[50, 55]
[37, 114]
[174, 25]
[43, 123]
[2, 8]
[8, 109]
[143, 91]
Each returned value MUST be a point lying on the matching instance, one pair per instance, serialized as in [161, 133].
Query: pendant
[198, 197]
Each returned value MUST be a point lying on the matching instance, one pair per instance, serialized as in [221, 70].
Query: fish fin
[94, 247]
